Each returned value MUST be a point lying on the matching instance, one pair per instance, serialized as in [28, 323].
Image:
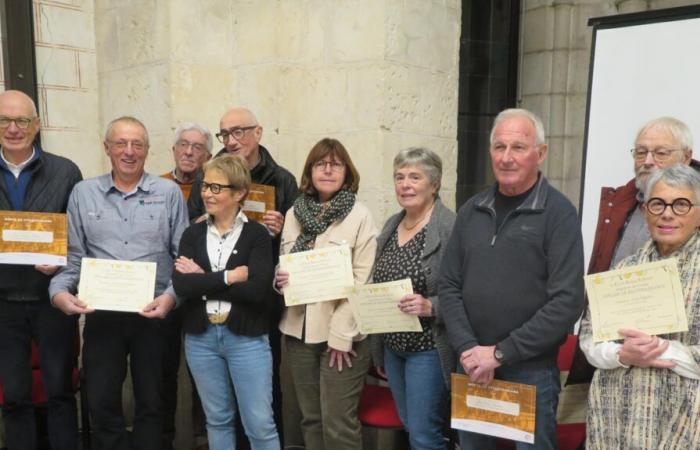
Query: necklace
[407, 228]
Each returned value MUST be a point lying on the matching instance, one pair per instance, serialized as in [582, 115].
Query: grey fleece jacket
[520, 286]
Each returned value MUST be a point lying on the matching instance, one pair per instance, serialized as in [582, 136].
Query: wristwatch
[498, 354]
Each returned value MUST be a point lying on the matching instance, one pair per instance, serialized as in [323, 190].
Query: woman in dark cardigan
[224, 271]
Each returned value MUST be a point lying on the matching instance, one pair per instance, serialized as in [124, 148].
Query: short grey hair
[427, 159]
[677, 128]
[519, 112]
[192, 126]
[678, 176]
[127, 119]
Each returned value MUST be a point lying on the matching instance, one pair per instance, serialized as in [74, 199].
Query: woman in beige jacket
[328, 357]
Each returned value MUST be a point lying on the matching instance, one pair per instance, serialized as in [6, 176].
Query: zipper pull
[493, 240]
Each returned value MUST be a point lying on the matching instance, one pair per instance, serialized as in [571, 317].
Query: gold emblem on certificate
[261, 198]
[648, 297]
[375, 307]
[33, 238]
[114, 285]
[500, 409]
[317, 275]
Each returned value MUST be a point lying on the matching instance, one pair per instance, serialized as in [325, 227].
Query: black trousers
[55, 334]
[109, 337]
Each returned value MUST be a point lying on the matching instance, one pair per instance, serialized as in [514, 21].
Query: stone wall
[67, 81]
[379, 76]
[556, 47]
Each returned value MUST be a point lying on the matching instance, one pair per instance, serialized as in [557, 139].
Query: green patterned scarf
[314, 218]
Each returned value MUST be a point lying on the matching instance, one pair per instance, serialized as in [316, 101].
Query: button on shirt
[219, 249]
[142, 225]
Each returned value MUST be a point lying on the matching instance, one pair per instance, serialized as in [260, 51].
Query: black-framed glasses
[336, 166]
[215, 188]
[21, 122]
[183, 144]
[237, 133]
[679, 206]
[659, 154]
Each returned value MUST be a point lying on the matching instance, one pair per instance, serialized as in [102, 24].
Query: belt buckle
[217, 319]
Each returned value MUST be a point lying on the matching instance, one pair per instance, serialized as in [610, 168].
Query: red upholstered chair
[377, 408]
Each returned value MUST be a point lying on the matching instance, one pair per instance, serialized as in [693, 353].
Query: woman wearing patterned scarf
[328, 357]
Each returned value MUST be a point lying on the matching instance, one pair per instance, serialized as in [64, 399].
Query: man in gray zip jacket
[512, 275]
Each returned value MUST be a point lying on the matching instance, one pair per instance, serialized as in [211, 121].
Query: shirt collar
[241, 218]
[106, 183]
[21, 165]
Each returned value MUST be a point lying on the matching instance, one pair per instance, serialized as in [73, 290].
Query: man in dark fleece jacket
[33, 180]
[240, 133]
[512, 275]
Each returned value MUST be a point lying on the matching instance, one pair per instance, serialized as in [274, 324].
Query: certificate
[648, 297]
[375, 307]
[33, 238]
[117, 285]
[261, 198]
[500, 409]
[317, 275]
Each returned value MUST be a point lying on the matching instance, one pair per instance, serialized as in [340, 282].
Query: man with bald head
[32, 179]
[240, 133]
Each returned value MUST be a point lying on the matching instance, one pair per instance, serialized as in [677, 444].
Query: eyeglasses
[184, 145]
[336, 166]
[237, 133]
[21, 122]
[215, 188]
[122, 145]
[659, 154]
[680, 206]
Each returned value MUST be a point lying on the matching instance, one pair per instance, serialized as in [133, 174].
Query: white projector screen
[643, 66]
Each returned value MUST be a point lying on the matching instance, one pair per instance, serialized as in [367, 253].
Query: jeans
[328, 399]
[55, 334]
[219, 359]
[545, 376]
[419, 390]
[110, 337]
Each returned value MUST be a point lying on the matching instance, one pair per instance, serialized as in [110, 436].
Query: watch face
[498, 355]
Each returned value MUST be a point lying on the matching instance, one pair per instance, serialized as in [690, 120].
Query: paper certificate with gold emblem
[500, 409]
[375, 307]
[648, 297]
[261, 198]
[317, 275]
[33, 238]
[114, 285]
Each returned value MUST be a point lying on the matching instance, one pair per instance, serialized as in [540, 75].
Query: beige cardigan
[332, 321]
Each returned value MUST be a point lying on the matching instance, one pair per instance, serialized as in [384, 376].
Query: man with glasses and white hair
[240, 133]
[32, 179]
[191, 149]
[125, 215]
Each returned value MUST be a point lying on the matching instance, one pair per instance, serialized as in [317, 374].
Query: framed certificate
[648, 297]
[33, 238]
[117, 285]
[375, 307]
[317, 275]
[261, 198]
[500, 409]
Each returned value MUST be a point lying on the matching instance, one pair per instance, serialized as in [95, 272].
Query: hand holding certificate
[375, 307]
[500, 409]
[317, 275]
[648, 297]
[33, 238]
[113, 285]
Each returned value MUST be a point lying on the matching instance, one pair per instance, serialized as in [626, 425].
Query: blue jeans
[543, 375]
[218, 359]
[419, 390]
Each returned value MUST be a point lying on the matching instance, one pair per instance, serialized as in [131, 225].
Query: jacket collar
[534, 202]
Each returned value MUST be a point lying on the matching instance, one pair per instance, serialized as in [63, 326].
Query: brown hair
[323, 148]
